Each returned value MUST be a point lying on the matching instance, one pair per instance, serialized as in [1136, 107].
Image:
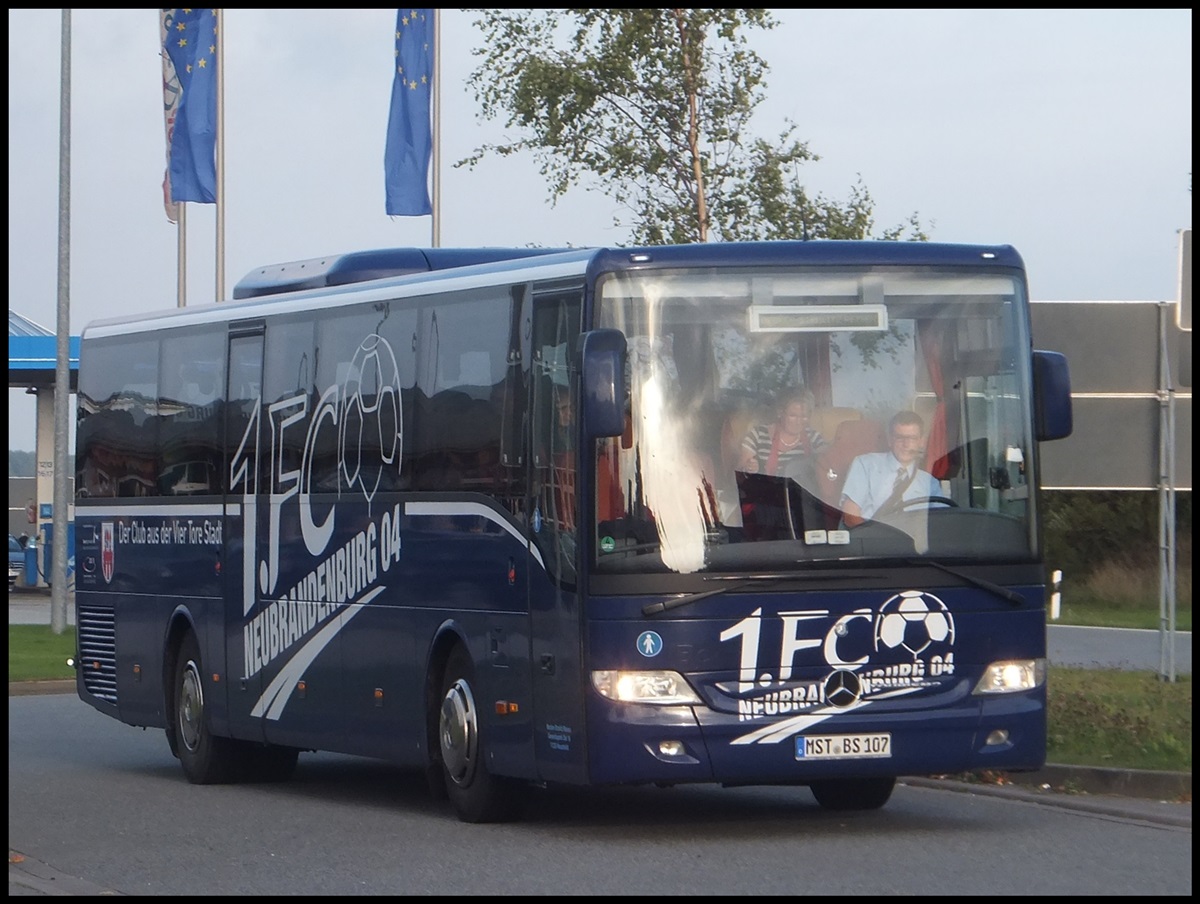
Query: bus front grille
[98, 651]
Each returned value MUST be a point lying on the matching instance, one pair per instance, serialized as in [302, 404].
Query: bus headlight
[1011, 676]
[662, 687]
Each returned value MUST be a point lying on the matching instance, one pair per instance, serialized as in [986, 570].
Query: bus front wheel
[477, 795]
[853, 794]
[206, 759]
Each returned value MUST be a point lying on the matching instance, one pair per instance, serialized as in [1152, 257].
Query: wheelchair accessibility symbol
[649, 643]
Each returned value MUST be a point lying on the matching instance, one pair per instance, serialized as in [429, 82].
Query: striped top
[790, 460]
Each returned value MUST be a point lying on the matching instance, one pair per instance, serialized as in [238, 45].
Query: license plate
[844, 746]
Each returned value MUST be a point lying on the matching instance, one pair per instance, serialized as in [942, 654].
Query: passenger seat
[852, 438]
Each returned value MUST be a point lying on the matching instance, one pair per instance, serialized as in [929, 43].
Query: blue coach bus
[492, 514]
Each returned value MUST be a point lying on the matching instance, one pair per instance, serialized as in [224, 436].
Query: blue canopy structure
[33, 354]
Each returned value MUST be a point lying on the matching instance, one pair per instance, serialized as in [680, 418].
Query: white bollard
[1055, 595]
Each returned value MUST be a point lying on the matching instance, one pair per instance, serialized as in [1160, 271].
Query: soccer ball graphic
[371, 435]
[913, 621]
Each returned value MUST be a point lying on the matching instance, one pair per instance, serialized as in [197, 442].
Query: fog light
[999, 736]
[670, 748]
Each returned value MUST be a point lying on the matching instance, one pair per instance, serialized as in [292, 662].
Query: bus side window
[465, 366]
[189, 428]
[555, 427]
[610, 498]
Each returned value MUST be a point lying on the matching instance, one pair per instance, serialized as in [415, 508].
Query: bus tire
[206, 759]
[171, 731]
[853, 793]
[476, 794]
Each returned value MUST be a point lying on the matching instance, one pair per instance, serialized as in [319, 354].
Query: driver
[882, 483]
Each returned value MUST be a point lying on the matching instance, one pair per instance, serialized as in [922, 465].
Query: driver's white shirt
[872, 476]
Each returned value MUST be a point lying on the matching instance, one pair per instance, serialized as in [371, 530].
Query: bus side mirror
[603, 383]
[1051, 396]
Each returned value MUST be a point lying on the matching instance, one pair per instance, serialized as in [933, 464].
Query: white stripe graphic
[781, 731]
[279, 691]
[476, 509]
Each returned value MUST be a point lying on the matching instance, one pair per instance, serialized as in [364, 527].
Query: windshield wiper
[666, 605]
[1003, 592]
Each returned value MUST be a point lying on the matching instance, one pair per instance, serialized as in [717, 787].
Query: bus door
[554, 603]
[243, 409]
[287, 596]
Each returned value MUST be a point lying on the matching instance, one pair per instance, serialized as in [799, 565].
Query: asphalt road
[110, 805]
[1134, 649]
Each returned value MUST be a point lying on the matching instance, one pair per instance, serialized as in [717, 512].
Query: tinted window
[463, 366]
[359, 370]
[190, 393]
[118, 408]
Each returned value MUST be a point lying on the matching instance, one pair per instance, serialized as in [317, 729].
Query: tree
[652, 107]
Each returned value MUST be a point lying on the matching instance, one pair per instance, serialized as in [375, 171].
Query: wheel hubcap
[459, 733]
[191, 706]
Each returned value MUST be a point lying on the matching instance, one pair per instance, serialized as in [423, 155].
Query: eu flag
[409, 133]
[191, 43]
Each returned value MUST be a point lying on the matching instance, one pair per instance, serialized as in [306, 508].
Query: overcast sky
[1065, 133]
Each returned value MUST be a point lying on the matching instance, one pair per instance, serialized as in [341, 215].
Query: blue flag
[190, 40]
[409, 132]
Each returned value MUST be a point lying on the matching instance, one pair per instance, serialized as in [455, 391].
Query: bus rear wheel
[476, 794]
[853, 793]
[206, 759]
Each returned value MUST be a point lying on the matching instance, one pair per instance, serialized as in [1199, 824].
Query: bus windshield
[785, 418]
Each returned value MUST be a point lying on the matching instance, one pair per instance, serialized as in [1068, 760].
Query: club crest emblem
[107, 551]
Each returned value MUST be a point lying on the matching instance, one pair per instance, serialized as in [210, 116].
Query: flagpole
[181, 257]
[220, 17]
[437, 127]
[191, 124]
[174, 209]
[59, 514]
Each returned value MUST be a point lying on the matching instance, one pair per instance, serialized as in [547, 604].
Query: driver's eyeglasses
[906, 438]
